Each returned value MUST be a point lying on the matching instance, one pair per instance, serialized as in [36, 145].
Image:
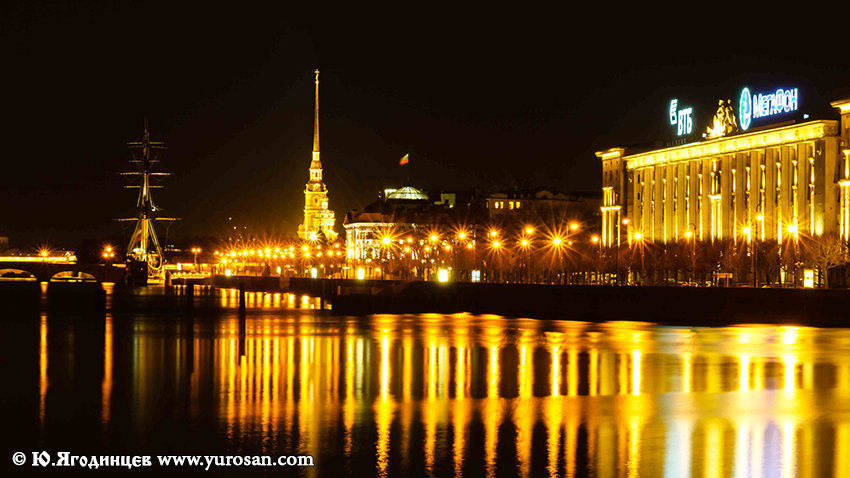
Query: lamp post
[558, 243]
[760, 219]
[496, 245]
[525, 247]
[792, 229]
[691, 235]
[639, 243]
[595, 240]
[747, 230]
[617, 259]
[385, 242]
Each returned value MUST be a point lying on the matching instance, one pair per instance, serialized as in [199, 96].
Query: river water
[432, 395]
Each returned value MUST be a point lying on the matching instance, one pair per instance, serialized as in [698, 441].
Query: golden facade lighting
[806, 176]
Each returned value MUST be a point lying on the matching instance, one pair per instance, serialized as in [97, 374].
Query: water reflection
[451, 394]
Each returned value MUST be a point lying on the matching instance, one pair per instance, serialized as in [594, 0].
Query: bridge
[43, 269]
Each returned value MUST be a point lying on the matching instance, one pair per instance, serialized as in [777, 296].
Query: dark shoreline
[692, 306]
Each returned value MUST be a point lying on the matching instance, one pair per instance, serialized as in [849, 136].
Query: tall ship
[145, 259]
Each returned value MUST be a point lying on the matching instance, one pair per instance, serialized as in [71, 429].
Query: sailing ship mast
[144, 248]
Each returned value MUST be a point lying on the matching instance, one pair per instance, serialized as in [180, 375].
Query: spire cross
[316, 118]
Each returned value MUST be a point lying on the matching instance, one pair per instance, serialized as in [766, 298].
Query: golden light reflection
[443, 392]
[384, 409]
[42, 371]
[106, 385]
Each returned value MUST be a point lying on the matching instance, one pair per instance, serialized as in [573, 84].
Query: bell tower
[317, 217]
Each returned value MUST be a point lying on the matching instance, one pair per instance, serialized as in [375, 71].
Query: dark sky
[479, 97]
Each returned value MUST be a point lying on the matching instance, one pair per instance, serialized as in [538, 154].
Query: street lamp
[524, 244]
[595, 240]
[792, 229]
[558, 243]
[496, 246]
[385, 243]
[748, 231]
[691, 235]
[617, 259]
[638, 237]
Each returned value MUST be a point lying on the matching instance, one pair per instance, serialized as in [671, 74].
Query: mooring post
[190, 295]
[241, 299]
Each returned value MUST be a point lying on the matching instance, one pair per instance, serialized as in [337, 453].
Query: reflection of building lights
[443, 275]
[228, 272]
[314, 272]
[361, 274]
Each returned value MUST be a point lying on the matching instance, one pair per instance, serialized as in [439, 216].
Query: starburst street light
[639, 243]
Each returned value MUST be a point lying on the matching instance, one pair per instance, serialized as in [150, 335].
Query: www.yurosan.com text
[66, 459]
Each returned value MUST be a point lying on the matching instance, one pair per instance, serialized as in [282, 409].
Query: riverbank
[711, 306]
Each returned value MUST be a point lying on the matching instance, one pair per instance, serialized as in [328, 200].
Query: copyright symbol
[19, 458]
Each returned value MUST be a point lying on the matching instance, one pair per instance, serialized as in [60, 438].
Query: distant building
[771, 181]
[544, 205]
[395, 211]
[407, 214]
[318, 219]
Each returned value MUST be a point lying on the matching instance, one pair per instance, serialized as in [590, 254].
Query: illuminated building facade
[771, 182]
[318, 219]
[397, 210]
[542, 204]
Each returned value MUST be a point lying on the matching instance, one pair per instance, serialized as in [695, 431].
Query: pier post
[241, 299]
[190, 296]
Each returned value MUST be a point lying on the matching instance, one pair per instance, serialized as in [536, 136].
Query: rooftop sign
[681, 118]
[761, 105]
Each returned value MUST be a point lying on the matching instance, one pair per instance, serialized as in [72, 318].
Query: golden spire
[316, 118]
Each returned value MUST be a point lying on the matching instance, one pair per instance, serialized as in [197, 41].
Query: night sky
[478, 97]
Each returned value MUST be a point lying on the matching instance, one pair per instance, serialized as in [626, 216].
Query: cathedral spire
[316, 118]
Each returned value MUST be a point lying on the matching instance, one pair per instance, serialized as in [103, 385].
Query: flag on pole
[404, 160]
